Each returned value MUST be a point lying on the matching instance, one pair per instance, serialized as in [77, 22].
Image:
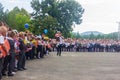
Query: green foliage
[41, 19]
[56, 15]
[111, 36]
[92, 36]
[70, 12]
[52, 15]
[16, 18]
[1, 12]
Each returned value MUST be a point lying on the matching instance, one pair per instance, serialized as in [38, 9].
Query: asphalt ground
[72, 66]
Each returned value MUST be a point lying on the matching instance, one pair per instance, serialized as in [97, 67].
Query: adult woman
[4, 45]
[10, 59]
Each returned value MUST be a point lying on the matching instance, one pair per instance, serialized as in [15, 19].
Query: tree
[64, 13]
[1, 12]
[70, 12]
[41, 20]
[16, 18]
[3, 15]
[99, 36]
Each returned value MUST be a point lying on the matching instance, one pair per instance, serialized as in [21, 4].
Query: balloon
[45, 31]
[26, 25]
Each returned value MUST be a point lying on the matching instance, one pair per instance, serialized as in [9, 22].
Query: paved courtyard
[72, 66]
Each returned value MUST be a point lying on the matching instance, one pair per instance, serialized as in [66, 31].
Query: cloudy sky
[100, 15]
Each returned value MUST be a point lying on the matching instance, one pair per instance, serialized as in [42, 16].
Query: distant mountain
[92, 32]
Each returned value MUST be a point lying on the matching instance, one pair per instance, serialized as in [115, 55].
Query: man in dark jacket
[22, 57]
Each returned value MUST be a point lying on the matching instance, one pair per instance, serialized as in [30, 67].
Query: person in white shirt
[59, 40]
[1, 43]
[3, 31]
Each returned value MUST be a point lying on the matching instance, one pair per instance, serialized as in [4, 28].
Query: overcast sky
[100, 15]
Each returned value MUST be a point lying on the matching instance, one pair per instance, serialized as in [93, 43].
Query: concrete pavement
[72, 66]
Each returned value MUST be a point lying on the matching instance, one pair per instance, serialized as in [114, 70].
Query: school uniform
[59, 46]
[9, 61]
[1, 57]
[22, 57]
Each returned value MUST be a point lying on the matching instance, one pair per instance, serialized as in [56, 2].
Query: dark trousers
[21, 60]
[40, 51]
[1, 64]
[33, 52]
[9, 62]
[59, 50]
[30, 54]
[77, 49]
[27, 54]
[68, 48]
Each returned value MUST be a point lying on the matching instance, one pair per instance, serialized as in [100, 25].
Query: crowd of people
[17, 47]
[86, 45]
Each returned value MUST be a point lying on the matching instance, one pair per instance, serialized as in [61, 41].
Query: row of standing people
[16, 47]
[86, 45]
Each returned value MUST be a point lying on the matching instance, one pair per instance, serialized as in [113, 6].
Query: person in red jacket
[3, 49]
[1, 57]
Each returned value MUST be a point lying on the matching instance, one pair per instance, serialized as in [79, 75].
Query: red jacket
[4, 48]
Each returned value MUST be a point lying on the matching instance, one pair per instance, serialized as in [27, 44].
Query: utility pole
[118, 30]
